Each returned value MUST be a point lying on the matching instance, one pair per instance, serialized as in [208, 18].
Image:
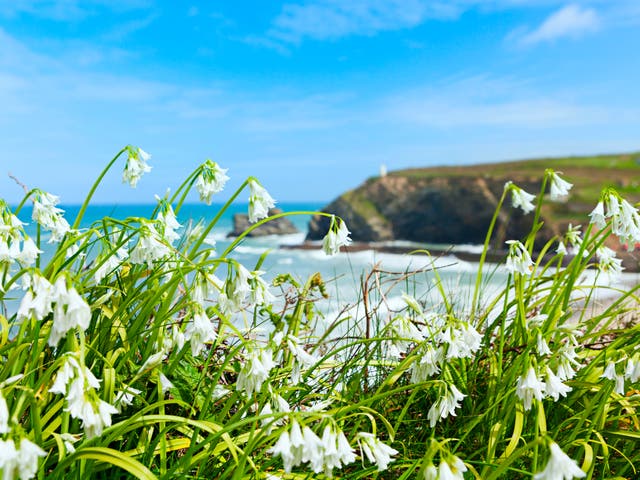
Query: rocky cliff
[454, 205]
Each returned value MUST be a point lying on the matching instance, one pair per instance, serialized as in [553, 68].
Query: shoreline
[630, 260]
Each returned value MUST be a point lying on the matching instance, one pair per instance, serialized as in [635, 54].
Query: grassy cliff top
[589, 174]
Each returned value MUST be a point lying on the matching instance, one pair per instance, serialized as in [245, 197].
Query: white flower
[286, 450]
[70, 311]
[169, 223]
[150, 247]
[559, 467]
[598, 217]
[8, 459]
[522, 199]
[430, 472]
[337, 450]
[200, 330]
[530, 387]
[559, 188]
[79, 385]
[164, 382]
[260, 294]
[632, 371]
[336, 237]
[428, 364]
[4, 415]
[553, 386]
[211, 180]
[312, 450]
[541, 345]
[110, 264]
[446, 405]
[255, 371]
[29, 253]
[49, 216]
[518, 258]
[28, 454]
[259, 202]
[37, 301]
[451, 469]
[561, 250]
[136, 166]
[376, 451]
[608, 262]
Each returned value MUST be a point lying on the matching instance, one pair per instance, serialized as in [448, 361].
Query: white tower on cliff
[383, 170]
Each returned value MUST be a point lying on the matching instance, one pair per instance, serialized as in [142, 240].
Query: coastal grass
[208, 372]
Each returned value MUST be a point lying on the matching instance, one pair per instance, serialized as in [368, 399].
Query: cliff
[278, 226]
[454, 205]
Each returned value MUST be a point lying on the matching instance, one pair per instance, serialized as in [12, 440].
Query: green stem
[483, 256]
[76, 223]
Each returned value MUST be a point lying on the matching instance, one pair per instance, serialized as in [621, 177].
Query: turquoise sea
[343, 272]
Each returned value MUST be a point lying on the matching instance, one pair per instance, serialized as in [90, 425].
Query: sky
[310, 97]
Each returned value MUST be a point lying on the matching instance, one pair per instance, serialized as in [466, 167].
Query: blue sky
[309, 96]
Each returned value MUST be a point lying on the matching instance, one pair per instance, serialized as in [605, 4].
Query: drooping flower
[19, 462]
[4, 415]
[70, 311]
[211, 180]
[336, 237]
[554, 387]
[337, 450]
[598, 217]
[428, 363]
[37, 300]
[446, 405]
[150, 247]
[200, 330]
[79, 385]
[608, 263]
[259, 201]
[136, 165]
[452, 468]
[529, 387]
[169, 222]
[558, 188]
[560, 466]
[110, 264]
[29, 253]
[518, 258]
[375, 450]
[255, 371]
[49, 216]
[520, 198]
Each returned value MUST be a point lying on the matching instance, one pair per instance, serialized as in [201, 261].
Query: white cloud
[487, 102]
[570, 21]
[333, 19]
[66, 10]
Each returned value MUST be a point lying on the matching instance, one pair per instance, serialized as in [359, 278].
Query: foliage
[140, 351]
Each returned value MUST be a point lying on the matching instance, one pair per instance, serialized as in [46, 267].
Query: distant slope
[454, 204]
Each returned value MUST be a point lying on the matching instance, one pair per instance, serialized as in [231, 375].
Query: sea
[384, 276]
[344, 274]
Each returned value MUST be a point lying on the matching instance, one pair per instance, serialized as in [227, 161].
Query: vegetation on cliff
[454, 205]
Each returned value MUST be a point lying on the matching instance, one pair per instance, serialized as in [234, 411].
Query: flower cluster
[520, 198]
[297, 445]
[336, 237]
[76, 382]
[518, 258]
[49, 216]
[136, 165]
[624, 217]
[259, 201]
[211, 180]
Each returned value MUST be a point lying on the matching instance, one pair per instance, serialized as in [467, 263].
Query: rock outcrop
[278, 226]
[447, 210]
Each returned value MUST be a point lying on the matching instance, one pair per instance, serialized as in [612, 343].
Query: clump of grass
[139, 350]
